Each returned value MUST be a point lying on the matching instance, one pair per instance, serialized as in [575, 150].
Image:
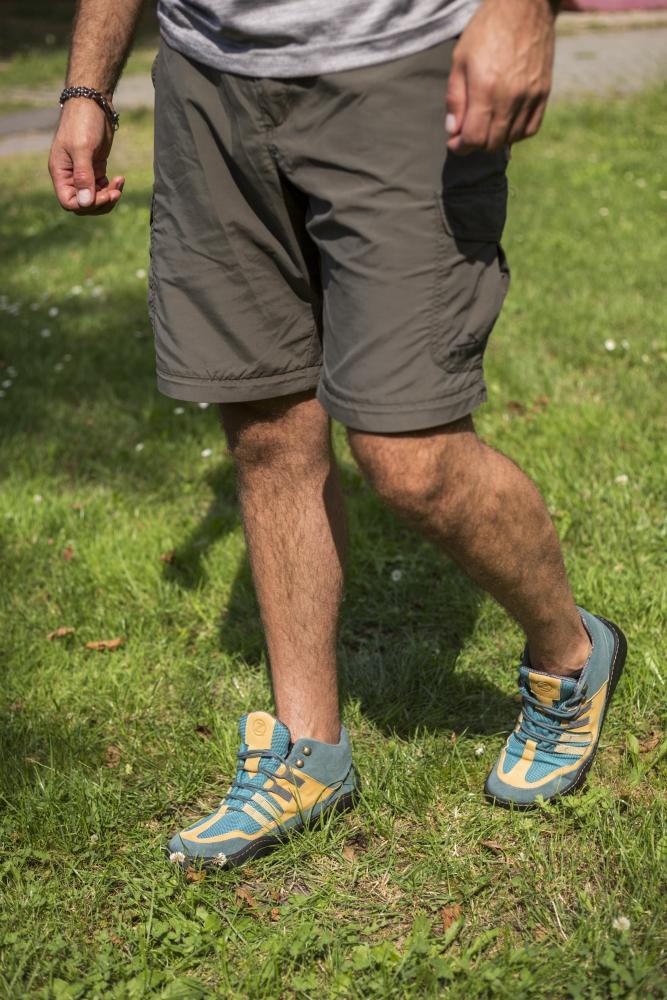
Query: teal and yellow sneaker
[278, 788]
[553, 745]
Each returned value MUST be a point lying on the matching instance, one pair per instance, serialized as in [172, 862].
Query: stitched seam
[167, 373]
[423, 404]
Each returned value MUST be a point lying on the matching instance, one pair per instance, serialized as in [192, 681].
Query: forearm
[101, 41]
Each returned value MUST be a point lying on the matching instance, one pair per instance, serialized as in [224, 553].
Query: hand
[501, 74]
[78, 160]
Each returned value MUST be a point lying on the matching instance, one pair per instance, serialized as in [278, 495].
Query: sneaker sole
[617, 663]
[264, 845]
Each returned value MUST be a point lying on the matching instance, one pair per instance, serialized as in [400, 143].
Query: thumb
[83, 176]
[456, 99]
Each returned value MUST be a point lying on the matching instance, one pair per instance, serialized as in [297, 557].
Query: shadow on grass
[400, 639]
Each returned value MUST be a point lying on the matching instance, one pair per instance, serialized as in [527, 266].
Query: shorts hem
[245, 390]
[389, 419]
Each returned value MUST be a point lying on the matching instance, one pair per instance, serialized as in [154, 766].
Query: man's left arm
[501, 74]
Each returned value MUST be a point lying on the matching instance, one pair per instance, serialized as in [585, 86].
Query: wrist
[90, 96]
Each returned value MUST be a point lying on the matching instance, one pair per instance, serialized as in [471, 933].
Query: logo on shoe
[258, 727]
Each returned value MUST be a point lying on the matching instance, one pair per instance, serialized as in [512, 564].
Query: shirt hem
[315, 61]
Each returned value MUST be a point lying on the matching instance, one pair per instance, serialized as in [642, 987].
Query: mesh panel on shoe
[235, 819]
[547, 763]
[513, 754]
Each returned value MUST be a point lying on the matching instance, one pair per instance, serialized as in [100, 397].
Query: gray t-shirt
[283, 38]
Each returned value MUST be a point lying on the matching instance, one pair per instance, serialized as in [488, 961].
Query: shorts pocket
[471, 274]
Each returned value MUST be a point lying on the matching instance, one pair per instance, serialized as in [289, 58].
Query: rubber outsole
[617, 663]
[264, 845]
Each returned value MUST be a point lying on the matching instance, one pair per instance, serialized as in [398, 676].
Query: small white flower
[94, 838]
[479, 750]
[7, 384]
[140, 272]
[53, 311]
[178, 410]
[622, 479]
[97, 292]
[45, 332]
[139, 446]
[206, 453]
[603, 211]
[75, 290]
[220, 859]
[177, 857]
[38, 498]
[621, 924]
[396, 575]
[610, 345]
[203, 406]
[645, 359]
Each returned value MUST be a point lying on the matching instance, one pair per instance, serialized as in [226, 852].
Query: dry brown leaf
[493, 845]
[115, 940]
[275, 914]
[105, 644]
[452, 738]
[194, 874]
[60, 633]
[350, 853]
[245, 896]
[68, 553]
[515, 406]
[449, 915]
[112, 756]
[651, 742]
[168, 557]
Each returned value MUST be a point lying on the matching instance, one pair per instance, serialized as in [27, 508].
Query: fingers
[456, 100]
[105, 198]
[83, 177]
[75, 173]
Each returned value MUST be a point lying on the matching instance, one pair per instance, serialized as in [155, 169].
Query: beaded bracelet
[94, 95]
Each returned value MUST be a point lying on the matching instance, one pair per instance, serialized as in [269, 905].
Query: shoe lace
[243, 779]
[546, 723]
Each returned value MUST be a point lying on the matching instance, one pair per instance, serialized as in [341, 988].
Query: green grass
[104, 755]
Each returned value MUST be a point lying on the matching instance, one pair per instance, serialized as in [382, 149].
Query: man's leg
[292, 509]
[484, 512]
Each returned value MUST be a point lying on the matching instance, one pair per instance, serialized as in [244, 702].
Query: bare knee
[419, 472]
[287, 431]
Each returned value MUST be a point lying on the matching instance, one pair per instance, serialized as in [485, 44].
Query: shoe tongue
[260, 731]
[548, 689]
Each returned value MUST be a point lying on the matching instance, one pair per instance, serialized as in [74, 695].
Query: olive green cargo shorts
[315, 233]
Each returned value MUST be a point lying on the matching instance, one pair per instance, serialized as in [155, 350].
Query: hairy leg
[294, 521]
[482, 510]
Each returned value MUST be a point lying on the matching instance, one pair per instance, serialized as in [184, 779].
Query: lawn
[119, 523]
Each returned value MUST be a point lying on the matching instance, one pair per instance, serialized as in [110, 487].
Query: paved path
[594, 55]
